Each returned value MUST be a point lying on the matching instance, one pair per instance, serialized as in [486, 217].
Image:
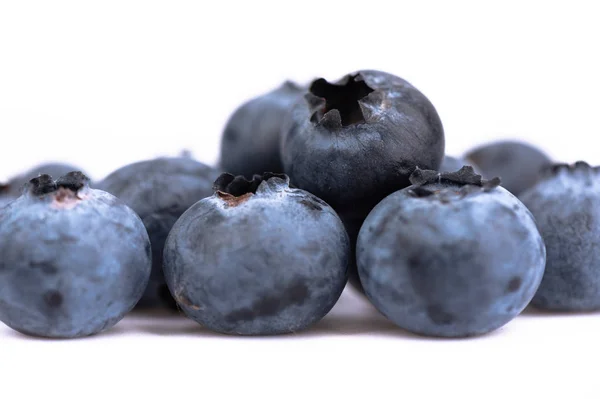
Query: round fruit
[451, 255]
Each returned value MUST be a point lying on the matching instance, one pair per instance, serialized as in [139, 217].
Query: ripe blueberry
[357, 140]
[74, 260]
[257, 258]
[451, 255]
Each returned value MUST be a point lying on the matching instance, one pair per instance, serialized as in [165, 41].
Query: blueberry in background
[566, 206]
[74, 260]
[159, 191]
[357, 140]
[452, 164]
[518, 164]
[257, 258]
[250, 142]
[450, 256]
[15, 185]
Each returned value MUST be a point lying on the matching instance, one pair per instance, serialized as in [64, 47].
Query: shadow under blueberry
[118, 330]
[353, 315]
[532, 311]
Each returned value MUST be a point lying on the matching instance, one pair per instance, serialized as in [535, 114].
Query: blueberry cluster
[317, 185]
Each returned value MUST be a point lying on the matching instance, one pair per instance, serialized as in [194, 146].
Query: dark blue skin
[159, 191]
[251, 140]
[566, 206]
[74, 260]
[257, 258]
[451, 255]
[353, 142]
[353, 220]
[518, 164]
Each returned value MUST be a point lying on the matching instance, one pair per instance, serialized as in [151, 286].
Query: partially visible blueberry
[74, 260]
[452, 164]
[353, 220]
[451, 255]
[250, 142]
[357, 140]
[257, 258]
[159, 191]
[566, 206]
[15, 185]
[518, 164]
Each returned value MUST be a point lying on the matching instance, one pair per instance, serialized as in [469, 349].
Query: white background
[101, 84]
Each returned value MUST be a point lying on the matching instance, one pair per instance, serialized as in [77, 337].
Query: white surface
[102, 84]
[353, 352]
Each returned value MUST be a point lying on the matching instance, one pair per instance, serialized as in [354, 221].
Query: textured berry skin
[257, 258]
[74, 260]
[357, 140]
[518, 164]
[450, 256]
[159, 191]
[566, 206]
[251, 140]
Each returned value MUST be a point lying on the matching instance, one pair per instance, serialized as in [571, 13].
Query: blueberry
[16, 185]
[450, 256]
[74, 260]
[518, 164]
[250, 142]
[566, 206]
[357, 140]
[257, 258]
[159, 191]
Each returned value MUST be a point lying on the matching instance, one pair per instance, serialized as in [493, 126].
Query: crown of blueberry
[45, 184]
[465, 179]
